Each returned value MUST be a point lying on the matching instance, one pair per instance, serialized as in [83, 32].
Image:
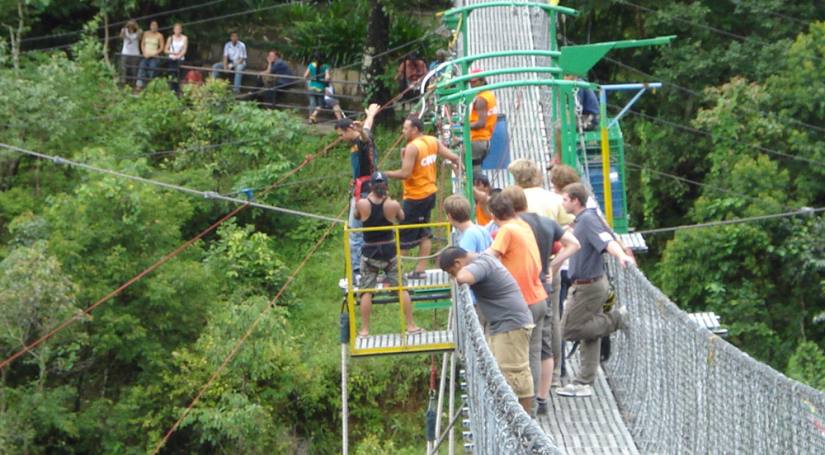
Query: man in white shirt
[234, 59]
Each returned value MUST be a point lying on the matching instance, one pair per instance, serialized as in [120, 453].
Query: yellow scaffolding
[403, 344]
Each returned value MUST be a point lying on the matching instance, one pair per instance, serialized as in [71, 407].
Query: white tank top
[176, 45]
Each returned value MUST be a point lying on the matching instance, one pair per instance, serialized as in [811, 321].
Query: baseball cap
[378, 177]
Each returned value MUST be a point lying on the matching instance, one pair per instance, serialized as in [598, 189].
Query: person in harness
[378, 255]
[363, 157]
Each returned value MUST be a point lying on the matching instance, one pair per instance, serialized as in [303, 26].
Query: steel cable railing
[498, 423]
[682, 389]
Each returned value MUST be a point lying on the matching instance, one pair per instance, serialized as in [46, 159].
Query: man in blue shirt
[276, 77]
[589, 105]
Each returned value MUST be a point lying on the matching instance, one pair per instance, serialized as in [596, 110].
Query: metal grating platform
[434, 277]
[587, 425]
[710, 321]
[394, 343]
[634, 241]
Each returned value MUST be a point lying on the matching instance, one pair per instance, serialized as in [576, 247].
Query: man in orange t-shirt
[516, 246]
[483, 118]
[418, 171]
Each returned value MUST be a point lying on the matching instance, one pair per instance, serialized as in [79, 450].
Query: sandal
[415, 331]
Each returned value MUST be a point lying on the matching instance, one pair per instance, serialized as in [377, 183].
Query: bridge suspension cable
[237, 347]
[205, 194]
[711, 135]
[695, 93]
[122, 22]
[750, 219]
[190, 23]
[167, 257]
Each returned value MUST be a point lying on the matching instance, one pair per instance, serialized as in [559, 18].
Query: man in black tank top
[379, 251]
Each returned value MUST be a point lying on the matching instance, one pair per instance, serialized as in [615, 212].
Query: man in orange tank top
[483, 119]
[418, 172]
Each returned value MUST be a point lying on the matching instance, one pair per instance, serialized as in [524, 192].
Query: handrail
[532, 82]
[517, 70]
[512, 53]
[545, 6]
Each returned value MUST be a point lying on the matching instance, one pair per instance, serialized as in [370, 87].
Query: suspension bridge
[672, 384]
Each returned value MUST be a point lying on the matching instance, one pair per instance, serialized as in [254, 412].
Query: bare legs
[546, 378]
[366, 311]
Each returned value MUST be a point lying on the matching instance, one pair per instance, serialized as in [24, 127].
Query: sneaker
[541, 409]
[623, 319]
[575, 390]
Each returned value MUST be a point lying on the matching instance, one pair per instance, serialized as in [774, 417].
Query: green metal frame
[569, 60]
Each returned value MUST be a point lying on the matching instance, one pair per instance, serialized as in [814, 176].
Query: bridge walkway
[588, 425]
[502, 29]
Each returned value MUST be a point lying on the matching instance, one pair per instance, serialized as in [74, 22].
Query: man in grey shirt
[509, 320]
[584, 319]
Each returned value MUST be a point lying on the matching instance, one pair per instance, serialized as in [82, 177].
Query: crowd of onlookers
[532, 257]
[149, 54]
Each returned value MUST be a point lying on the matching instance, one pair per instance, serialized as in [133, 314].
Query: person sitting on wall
[234, 59]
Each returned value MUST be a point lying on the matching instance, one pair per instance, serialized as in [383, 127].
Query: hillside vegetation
[736, 132]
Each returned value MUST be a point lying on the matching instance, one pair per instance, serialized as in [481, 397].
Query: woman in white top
[176, 47]
[130, 53]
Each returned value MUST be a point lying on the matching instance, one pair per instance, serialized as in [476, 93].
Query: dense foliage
[117, 379]
[740, 113]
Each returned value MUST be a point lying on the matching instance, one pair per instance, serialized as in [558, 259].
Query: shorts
[371, 268]
[479, 151]
[416, 211]
[512, 353]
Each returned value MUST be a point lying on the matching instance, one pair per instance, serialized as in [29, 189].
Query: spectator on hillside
[528, 176]
[584, 318]
[546, 232]
[318, 80]
[234, 59]
[363, 159]
[509, 324]
[378, 209]
[176, 47]
[418, 171]
[410, 71]
[271, 78]
[517, 248]
[130, 52]
[151, 46]
[193, 77]
[440, 57]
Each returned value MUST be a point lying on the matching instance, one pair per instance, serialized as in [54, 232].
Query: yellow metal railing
[400, 288]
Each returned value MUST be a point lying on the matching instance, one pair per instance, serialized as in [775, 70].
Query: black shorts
[416, 211]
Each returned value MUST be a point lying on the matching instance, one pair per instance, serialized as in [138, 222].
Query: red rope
[243, 338]
[255, 323]
[26, 348]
